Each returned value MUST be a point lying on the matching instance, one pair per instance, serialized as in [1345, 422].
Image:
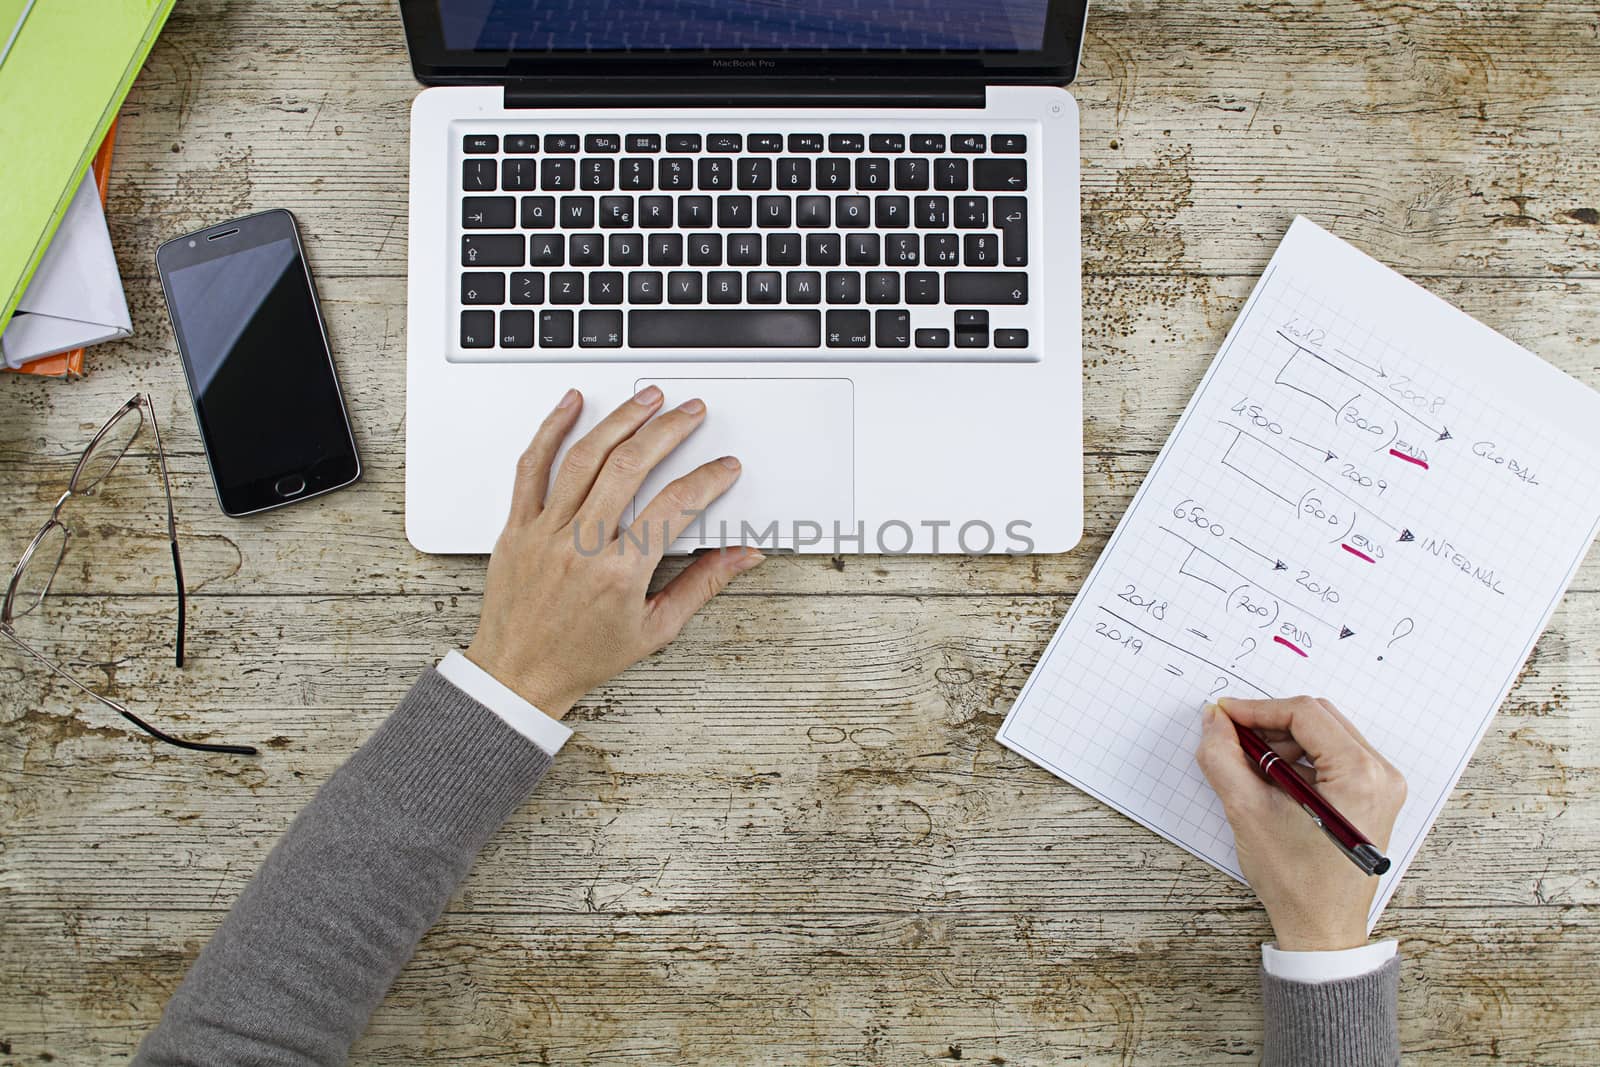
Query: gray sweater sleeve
[1351, 1022]
[305, 955]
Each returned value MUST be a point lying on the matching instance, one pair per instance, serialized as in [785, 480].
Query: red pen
[1281, 772]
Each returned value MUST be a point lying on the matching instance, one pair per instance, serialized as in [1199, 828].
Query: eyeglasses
[41, 560]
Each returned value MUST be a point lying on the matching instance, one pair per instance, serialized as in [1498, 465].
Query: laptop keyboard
[841, 245]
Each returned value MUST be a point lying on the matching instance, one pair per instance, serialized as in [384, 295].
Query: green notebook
[62, 79]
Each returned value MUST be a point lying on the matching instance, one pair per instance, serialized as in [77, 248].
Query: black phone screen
[259, 369]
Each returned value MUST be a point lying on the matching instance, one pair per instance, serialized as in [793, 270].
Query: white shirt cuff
[1326, 966]
[518, 714]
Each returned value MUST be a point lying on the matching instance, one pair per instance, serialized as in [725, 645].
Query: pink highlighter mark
[1291, 646]
[1357, 552]
[1397, 454]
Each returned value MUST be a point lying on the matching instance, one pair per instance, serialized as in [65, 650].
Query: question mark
[1401, 629]
[1222, 683]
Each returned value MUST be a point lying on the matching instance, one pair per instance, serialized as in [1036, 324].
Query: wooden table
[791, 838]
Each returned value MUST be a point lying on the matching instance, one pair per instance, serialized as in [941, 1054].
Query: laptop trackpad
[796, 439]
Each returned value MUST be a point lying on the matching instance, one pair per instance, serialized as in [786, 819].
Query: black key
[861, 249]
[893, 328]
[933, 338]
[675, 174]
[516, 329]
[602, 142]
[949, 174]
[972, 329]
[683, 287]
[644, 287]
[982, 250]
[887, 142]
[636, 173]
[616, 212]
[724, 287]
[705, 250]
[823, 249]
[901, 250]
[725, 328]
[484, 288]
[883, 287]
[538, 212]
[772, 211]
[1010, 338]
[599, 329]
[561, 143]
[812, 211]
[1007, 175]
[557, 175]
[892, 212]
[480, 144]
[566, 287]
[942, 250]
[763, 287]
[986, 287]
[927, 142]
[547, 250]
[666, 249]
[972, 338]
[494, 250]
[803, 287]
[524, 144]
[967, 142]
[911, 173]
[733, 212]
[922, 287]
[872, 173]
[933, 212]
[971, 319]
[655, 212]
[724, 142]
[555, 329]
[972, 212]
[716, 173]
[1008, 144]
[766, 142]
[833, 174]
[625, 250]
[527, 287]
[794, 173]
[605, 287]
[478, 176]
[744, 250]
[586, 250]
[477, 329]
[598, 174]
[843, 287]
[754, 173]
[577, 212]
[846, 142]
[488, 212]
[694, 211]
[853, 211]
[783, 249]
[683, 142]
[805, 142]
[1011, 215]
[849, 329]
[644, 142]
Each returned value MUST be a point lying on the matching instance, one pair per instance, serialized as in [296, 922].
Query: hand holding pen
[1316, 897]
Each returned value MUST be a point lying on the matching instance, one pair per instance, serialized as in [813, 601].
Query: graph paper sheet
[1371, 498]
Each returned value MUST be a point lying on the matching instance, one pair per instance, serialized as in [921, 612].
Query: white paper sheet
[1371, 498]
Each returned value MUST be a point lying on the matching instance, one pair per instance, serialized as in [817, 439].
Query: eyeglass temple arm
[172, 527]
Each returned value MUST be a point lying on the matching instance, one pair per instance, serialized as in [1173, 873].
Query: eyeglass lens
[107, 449]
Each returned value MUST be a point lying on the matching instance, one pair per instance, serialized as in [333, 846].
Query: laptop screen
[734, 25]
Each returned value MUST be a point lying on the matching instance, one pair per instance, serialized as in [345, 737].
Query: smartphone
[256, 355]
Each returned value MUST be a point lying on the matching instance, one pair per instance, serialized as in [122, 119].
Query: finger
[1321, 735]
[1327, 706]
[631, 462]
[680, 505]
[686, 594]
[1225, 765]
[583, 462]
[1289, 750]
[533, 466]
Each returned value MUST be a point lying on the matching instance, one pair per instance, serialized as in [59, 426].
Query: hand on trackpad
[796, 440]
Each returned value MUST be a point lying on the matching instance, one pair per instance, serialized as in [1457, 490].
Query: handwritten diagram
[1344, 509]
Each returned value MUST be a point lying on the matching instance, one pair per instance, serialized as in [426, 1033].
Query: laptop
[850, 226]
